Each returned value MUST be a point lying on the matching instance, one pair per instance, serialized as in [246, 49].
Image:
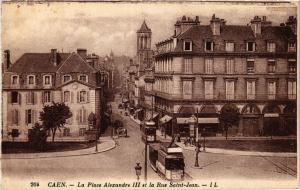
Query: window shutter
[10, 117]
[17, 117]
[88, 96]
[19, 98]
[32, 116]
[62, 96]
[72, 97]
[27, 97]
[9, 97]
[26, 119]
[77, 116]
[51, 96]
[77, 97]
[32, 97]
[42, 97]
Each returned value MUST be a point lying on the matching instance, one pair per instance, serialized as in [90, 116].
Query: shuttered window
[209, 89]
[82, 116]
[15, 117]
[250, 90]
[229, 89]
[188, 65]
[208, 66]
[271, 90]
[292, 90]
[30, 98]
[29, 116]
[67, 97]
[229, 66]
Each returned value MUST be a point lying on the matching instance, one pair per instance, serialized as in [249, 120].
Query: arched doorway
[230, 114]
[290, 119]
[250, 116]
[271, 120]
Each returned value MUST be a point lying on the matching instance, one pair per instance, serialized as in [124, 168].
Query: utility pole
[146, 150]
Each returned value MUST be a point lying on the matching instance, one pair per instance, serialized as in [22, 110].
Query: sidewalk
[160, 136]
[104, 145]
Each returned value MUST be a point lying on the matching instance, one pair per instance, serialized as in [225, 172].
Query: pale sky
[102, 27]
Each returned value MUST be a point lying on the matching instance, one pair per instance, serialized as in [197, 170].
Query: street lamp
[138, 170]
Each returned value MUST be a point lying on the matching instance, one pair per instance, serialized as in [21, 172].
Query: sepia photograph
[149, 95]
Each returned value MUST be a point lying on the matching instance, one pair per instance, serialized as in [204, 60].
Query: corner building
[203, 68]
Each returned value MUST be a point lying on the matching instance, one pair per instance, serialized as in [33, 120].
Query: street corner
[102, 146]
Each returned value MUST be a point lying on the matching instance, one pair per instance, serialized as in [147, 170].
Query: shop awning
[138, 110]
[149, 116]
[185, 120]
[208, 120]
[165, 119]
[271, 115]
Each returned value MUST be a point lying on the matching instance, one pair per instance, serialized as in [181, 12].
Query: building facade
[38, 79]
[202, 69]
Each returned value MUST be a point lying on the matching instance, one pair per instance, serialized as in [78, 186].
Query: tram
[149, 132]
[168, 162]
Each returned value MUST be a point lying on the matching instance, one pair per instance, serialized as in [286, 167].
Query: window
[30, 98]
[292, 90]
[271, 47]
[67, 78]
[15, 117]
[187, 46]
[229, 46]
[250, 66]
[229, 85]
[67, 96]
[271, 90]
[188, 65]
[271, 66]
[250, 46]
[15, 80]
[229, 66]
[47, 97]
[209, 46]
[66, 132]
[82, 96]
[83, 78]
[292, 66]
[31, 80]
[47, 80]
[29, 116]
[14, 97]
[251, 90]
[82, 119]
[291, 47]
[208, 66]
[82, 132]
[209, 89]
[187, 88]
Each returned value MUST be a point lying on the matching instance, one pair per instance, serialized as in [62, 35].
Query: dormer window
[292, 47]
[229, 46]
[31, 80]
[250, 46]
[67, 78]
[83, 78]
[15, 80]
[271, 47]
[209, 46]
[47, 80]
[187, 46]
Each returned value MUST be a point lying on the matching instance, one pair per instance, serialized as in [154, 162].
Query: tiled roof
[74, 63]
[36, 62]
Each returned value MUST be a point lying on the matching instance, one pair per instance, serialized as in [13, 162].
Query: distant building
[209, 67]
[38, 79]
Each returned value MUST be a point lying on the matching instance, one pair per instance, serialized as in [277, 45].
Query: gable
[74, 63]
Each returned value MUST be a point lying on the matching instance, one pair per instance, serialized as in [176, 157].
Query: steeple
[144, 28]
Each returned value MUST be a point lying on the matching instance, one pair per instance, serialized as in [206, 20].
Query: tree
[37, 137]
[54, 117]
[229, 116]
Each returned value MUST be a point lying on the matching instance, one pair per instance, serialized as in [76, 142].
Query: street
[119, 163]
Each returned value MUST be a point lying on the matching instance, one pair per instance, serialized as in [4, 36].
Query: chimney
[82, 52]
[256, 25]
[265, 22]
[6, 60]
[184, 24]
[216, 24]
[292, 23]
[53, 57]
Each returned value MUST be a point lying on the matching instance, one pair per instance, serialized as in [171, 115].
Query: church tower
[144, 52]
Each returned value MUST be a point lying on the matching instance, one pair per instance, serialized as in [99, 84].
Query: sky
[102, 27]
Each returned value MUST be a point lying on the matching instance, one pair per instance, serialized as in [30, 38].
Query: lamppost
[138, 170]
[149, 137]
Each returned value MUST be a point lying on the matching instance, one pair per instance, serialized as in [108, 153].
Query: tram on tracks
[167, 161]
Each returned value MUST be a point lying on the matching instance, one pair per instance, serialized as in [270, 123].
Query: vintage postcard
[149, 95]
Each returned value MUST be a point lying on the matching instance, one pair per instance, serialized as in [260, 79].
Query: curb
[242, 153]
[30, 155]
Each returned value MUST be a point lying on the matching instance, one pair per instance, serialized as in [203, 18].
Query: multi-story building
[202, 69]
[38, 79]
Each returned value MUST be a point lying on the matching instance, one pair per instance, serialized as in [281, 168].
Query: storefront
[166, 125]
[271, 118]
[290, 119]
[209, 120]
[250, 121]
